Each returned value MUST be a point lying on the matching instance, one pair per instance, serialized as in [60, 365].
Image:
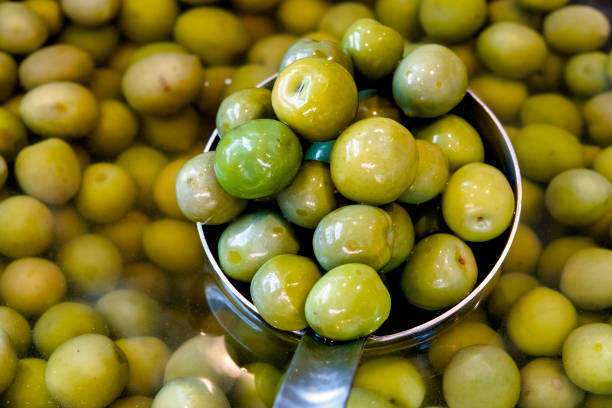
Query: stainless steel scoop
[320, 374]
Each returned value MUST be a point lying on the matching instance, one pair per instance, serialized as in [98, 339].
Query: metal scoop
[321, 373]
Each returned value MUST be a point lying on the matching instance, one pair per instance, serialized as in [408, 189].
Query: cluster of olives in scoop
[356, 185]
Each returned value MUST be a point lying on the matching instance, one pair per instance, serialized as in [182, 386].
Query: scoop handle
[320, 375]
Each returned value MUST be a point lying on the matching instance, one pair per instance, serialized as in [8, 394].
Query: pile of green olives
[106, 104]
[351, 207]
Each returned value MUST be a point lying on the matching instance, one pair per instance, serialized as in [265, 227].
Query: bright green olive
[587, 357]
[576, 28]
[99, 42]
[509, 288]
[310, 196]
[481, 376]
[478, 202]
[199, 195]
[504, 96]
[130, 313]
[374, 161]
[585, 279]
[432, 174]
[147, 22]
[598, 118]
[439, 273]
[279, 290]
[374, 48]
[154, 48]
[459, 141]
[270, 50]
[340, 16]
[26, 226]
[174, 133]
[430, 81]
[553, 109]
[307, 47]
[60, 109]
[147, 357]
[450, 22]
[540, 320]
[243, 106]
[511, 50]
[544, 383]
[403, 236]
[354, 234]
[524, 251]
[251, 240]
[190, 392]
[555, 255]
[316, 97]
[28, 389]
[257, 159]
[578, 197]
[348, 302]
[21, 29]
[585, 74]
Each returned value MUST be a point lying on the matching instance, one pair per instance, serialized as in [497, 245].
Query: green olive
[576, 28]
[15, 136]
[130, 313]
[348, 302]
[371, 104]
[374, 161]
[126, 234]
[307, 47]
[596, 114]
[155, 48]
[247, 243]
[244, 106]
[544, 383]
[553, 109]
[578, 197]
[163, 83]
[21, 29]
[146, 22]
[49, 170]
[60, 109]
[200, 197]
[8, 75]
[459, 336]
[375, 49]
[310, 196]
[17, 328]
[301, 16]
[64, 321]
[511, 50]
[279, 289]
[107, 193]
[197, 29]
[402, 15]
[510, 10]
[55, 63]
[509, 288]
[504, 96]
[549, 76]
[481, 376]
[432, 174]
[317, 98]
[190, 392]
[147, 358]
[8, 359]
[32, 285]
[270, 50]
[90, 14]
[439, 273]
[403, 236]
[587, 357]
[135, 401]
[164, 189]
[532, 206]
[585, 74]
[354, 234]
[524, 251]
[340, 16]
[555, 255]
[116, 129]
[174, 133]
[99, 42]
[585, 281]
[450, 22]
[459, 141]
[105, 83]
[430, 81]
[478, 202]
[28, 389]
[106, 364]
[540, 320]
[26, 226]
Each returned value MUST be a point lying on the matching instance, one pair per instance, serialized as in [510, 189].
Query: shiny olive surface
[354, 234]
[374, 161]
[257, 159]
[459, 141]
[310, 196]
[403, 236]
[316, 97]
[200, 196]
[280, 287]
[251, 240]
[243, 106]
[307, 47]
[478, 202]
[430, 81]
[348, 302]
[374, 48]
[439, 273]
[432, 174]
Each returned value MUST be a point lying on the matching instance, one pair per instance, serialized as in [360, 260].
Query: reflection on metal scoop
[320, 374]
